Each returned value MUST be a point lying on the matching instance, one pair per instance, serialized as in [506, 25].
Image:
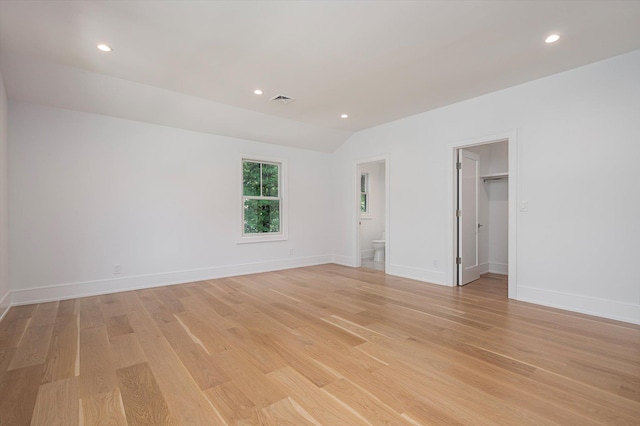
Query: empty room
[319, 212]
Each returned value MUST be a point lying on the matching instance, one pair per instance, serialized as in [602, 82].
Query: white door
[468, 181]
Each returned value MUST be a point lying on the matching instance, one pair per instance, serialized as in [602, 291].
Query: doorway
[483, 214]
[372, 213]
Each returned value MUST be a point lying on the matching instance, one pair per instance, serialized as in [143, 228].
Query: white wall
[89, 192]
[577, 156]
[4, 206]
[373, 224]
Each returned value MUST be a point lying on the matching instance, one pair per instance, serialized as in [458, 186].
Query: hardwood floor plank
[126, 350]
[111, 306]
[12, 331]
[63, 350]
[97, 372]
[592, 402]
[286, 411]
[260, 355]
[232, 404]
[90, 312]
[183, 396]
[253, 383]
[6, 355]
[141, 397]
[425, 414]
[103, 409]
[33, 347]
[209, 333]
[67, 307]
[57, 404]
[298, 360]
[169, 300]
[118, 325]
[315, 401]
[23, 311]
[18, 391]
[193, 356]
[365, 404]
[44, 314]
[204, 297]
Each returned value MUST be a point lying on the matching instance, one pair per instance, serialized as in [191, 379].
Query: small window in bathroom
[364, 194]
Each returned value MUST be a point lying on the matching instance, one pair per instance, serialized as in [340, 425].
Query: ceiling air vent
[283, 99]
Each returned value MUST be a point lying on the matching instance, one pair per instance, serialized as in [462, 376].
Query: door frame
[512, 139]
[356, 197]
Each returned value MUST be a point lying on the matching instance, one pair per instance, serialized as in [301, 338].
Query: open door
[467, 216]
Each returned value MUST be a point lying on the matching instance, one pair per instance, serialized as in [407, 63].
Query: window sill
[262, 238]
[366, 218]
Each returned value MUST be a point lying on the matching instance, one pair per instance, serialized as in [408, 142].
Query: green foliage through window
[364, 193]
[260, 197]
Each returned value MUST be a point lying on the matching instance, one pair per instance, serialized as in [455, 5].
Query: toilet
[378, 249]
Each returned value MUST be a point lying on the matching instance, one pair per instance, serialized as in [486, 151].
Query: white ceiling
[195, 64]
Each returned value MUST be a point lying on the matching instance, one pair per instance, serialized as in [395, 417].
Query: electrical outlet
[116, 269]
[436, 264]
[290, 252]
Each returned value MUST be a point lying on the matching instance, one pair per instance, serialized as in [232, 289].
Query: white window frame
[367, 213]
[282, 196]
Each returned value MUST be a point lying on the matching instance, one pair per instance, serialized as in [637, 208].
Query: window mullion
[261, 179]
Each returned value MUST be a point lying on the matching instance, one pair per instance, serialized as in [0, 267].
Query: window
[364, 194]
[262, 200]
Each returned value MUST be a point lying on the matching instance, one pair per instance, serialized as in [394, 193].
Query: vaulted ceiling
[195, 64]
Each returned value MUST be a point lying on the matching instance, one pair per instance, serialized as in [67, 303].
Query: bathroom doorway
[372, 239]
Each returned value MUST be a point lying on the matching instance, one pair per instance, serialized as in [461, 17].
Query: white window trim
[283, 190]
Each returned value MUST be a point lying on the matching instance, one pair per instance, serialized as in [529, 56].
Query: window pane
[363, 183]
[363, 203]
[250, 179]
[261, 216]
[270, 180]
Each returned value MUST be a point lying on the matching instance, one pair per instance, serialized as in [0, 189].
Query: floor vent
[283, 99]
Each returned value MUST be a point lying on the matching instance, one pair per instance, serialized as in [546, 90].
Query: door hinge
[458, 261]
[458, 166]
[458, 213]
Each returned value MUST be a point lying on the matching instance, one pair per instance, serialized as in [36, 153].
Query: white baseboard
[366, 254]
[419, 274]
[498, 268]
[628, 312]
[93, 288]
[343, 260]
[621, 311]
[483, 268]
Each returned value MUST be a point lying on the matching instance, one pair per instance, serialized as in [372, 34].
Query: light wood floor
[322, 345]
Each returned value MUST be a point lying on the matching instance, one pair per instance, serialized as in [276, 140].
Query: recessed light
[258, 92]
[344, 116]
[552, 38]
[104, 48]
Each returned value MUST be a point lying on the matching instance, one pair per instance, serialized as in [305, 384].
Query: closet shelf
[495, 176]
